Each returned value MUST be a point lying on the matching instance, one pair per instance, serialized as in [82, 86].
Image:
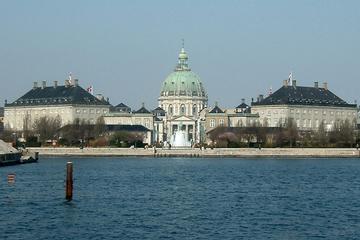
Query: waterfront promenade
[188, 152]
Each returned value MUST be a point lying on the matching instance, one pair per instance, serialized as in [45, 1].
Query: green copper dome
[183, 82]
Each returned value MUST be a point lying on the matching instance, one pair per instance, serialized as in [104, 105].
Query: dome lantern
[183, 61]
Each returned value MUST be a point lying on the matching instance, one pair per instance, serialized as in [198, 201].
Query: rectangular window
[212, 123]
[221, 122]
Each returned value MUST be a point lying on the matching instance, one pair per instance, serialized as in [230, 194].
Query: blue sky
[125, 49]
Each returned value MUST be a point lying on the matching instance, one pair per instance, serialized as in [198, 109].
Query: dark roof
[297, 95]
[1, 111]
[112, 128]
[130, 128]
[216, 109]
[57, 96]
[158, 109]
[121, 105]
[243, 105]
[142, 110]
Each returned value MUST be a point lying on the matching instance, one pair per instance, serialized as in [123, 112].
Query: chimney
[261, 97]
[35, 85]
[216, 104]
[43, 84]
[243, 100]
[294, 83]
[325, 85]
[316, 84]
[55, 84]
[143, 104]
[285, 83]
[76, 82]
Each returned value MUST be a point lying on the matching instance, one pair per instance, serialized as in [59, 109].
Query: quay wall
[217, 152]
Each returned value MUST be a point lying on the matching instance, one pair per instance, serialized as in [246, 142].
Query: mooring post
[11, 178]
[69, 181]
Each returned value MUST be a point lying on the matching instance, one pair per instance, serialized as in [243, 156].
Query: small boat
[12, 156]
[29, 157]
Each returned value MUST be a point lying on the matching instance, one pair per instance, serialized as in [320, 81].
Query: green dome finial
[183, 60]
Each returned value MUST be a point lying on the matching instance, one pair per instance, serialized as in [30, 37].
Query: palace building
[307, 106]
[67, 102]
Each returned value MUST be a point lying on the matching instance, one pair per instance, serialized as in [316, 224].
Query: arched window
[194, 110]
[170, 109]
[182, 109]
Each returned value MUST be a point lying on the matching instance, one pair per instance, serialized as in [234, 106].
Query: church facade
[182, 97]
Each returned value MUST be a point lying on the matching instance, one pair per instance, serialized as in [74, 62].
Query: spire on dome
[183, 59]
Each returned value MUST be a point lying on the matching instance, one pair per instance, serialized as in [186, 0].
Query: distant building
[121, 108]
[141, 117]
[67, 102]
[241, 116]
[216, 117]
[307, 106]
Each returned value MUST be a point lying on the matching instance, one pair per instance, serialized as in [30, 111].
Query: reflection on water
[178, 198]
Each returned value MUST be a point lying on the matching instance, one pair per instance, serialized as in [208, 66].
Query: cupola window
[182, 109]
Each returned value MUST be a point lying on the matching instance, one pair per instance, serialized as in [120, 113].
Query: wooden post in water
[69, 181]
[11, 178]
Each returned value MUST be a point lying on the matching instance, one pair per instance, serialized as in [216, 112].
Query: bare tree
[347, 133]
[46, 127]
[321, 136]
[100, 127]
[291, 131]
[27, 125]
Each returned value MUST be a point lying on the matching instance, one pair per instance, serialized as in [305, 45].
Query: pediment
[183, 119]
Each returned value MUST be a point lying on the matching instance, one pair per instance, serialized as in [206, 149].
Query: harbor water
[182, 198]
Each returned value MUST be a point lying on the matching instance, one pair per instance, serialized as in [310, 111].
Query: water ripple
[183, 199]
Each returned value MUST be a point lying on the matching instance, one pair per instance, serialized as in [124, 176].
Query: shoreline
[196, 153]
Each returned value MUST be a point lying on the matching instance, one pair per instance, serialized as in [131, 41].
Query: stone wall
[218, 152]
